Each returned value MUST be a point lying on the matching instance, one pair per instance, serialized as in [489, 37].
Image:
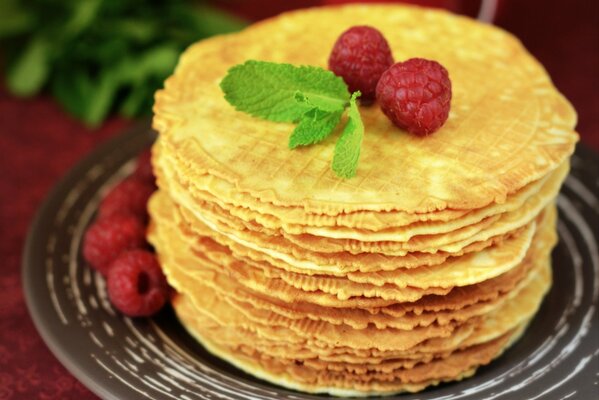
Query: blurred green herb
[101, 56]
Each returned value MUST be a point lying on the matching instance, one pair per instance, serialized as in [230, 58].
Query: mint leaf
[314, 126]
[347, 149]
[16, 19]
[30, 71]
[74, 91]
[82, 16]
[104, 89]
[271, 90]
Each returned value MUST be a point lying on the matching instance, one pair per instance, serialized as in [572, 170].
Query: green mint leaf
[30, 71]
[347, 149]
[16, 19]
[158, 61]
[105, 90]
[132, 104]
[270, 90]
[211, 21]
[314, 126]
[82, 16]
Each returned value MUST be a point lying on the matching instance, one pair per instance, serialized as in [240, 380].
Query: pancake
[537, 194]
[427, 264]
[301, 377]
[512, 152]
[429, 242]
[459, 271]
[203, 293]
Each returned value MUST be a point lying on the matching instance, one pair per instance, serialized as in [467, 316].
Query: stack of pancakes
[426, 265]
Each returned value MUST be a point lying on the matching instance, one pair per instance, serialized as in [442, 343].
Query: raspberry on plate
[360, 56]
[128, 197]
[143, 168]
[110, 236]
[136, 285]
[415, 95]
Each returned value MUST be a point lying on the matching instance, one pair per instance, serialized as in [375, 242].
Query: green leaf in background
[104, 92]
[73, 91]
[30, 70]
[134, 102]
[83, 14]
[100, 56]
[15, 20]
[347, 149]
[211, 21]
[158, 61]
[136, 30]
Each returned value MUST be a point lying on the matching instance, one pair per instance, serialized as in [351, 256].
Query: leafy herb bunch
[99, 56]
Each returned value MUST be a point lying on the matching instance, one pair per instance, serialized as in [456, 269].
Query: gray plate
[122, 358]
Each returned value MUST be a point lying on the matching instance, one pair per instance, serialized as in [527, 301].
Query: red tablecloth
[39, 143]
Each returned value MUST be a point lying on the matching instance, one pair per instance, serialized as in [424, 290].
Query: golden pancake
[514, 127]
[336, 263]
[448, 241]
[304, 378]
[459, 271]
[520, 306]
[538, 193]
[529, 299]
[189, 283]
[426, 265]
[424, 311]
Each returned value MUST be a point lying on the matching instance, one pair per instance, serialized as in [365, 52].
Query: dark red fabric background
[39, 143]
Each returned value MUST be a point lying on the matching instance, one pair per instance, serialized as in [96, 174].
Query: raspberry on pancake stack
[426, 265]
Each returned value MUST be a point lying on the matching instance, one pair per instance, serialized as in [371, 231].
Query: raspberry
[136, 285]
[360, 56]
[128, 197]
[110, 236]
[143, 169]
[415, 95]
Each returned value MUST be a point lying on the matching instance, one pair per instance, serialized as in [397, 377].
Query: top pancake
[508, 125]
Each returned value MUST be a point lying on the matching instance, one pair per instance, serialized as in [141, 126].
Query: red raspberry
[415, 95]
[143, 169]
[128, 197]
[110, 236]
[136, 285]
[360, 56]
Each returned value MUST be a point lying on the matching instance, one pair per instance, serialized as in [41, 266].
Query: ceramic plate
[123, 358]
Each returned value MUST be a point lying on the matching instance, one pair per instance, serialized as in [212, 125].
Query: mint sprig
[347, 149]
[312, 97]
